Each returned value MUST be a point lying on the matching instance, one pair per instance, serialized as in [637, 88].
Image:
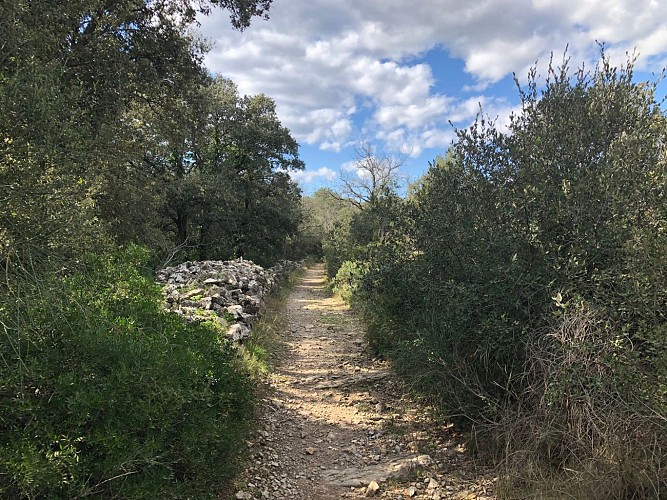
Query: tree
[371, 175]
[254, 150]
[369, 186]
[223, 160]
[71, 78]
[321, 212]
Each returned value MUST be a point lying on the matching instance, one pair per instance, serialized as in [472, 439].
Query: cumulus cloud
[308, 176]
[341, 68]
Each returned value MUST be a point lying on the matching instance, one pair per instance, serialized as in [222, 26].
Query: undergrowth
[263, 348]
[104, 394]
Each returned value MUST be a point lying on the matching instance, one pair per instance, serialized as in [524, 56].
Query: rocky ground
[229, 293]
[336, 423]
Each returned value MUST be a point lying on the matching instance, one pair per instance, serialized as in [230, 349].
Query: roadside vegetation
[105, 394]
[521, 286]
[120, 154]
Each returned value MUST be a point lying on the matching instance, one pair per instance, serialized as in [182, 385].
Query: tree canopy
[113, 134]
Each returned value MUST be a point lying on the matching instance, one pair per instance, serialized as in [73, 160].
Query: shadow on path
[336, 420]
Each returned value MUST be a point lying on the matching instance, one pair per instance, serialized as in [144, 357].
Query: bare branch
[374, 173]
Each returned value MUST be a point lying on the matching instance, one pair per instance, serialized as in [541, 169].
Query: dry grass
[266, 341]
[587, 426]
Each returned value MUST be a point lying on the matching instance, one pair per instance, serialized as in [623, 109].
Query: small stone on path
[372, 489]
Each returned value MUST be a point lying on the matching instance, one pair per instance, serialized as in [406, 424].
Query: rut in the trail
[336, 423]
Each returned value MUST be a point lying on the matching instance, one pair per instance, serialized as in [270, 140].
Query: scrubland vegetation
[118, 154]
[522, 286]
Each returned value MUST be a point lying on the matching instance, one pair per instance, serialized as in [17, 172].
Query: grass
[207, 313]
[263, 348]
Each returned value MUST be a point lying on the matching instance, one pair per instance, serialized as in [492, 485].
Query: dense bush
[359, 229]
[338, 246]
[102, 393]
[504, 243]
[347, 279]
[590, 422]
[322, 212]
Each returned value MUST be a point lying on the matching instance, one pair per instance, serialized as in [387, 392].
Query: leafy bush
[468, 288]
[360, 229]
[102, 393]
[338, 246]
[347, 279]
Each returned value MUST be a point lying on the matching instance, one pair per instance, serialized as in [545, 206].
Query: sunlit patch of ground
[334, 412]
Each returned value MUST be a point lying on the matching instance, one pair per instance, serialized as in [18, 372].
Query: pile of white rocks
[230, 293]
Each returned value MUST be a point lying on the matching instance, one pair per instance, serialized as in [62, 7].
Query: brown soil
[335, 419]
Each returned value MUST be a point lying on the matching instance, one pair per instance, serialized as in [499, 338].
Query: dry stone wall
[229, 293]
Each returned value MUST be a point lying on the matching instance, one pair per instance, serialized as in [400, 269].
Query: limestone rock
[238, 332]
[235, 310]
[400, 469]
[213, 288]
[372, 489]
[191, 293]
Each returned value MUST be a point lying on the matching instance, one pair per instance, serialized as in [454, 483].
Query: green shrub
[347, 279]
[511, 240]
[338, 246]
[102, 393]
[571, 200]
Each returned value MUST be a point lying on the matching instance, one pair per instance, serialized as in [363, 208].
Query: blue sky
[394, 73]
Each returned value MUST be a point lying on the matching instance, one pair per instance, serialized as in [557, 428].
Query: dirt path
[335, 422]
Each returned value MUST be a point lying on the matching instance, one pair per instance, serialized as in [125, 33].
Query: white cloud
[337, 68]
[349, 166]
[308, 176]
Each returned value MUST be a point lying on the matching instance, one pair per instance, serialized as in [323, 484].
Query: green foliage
[113, 132]
[370, 193]
[320, 213]
[105, 394]
[347, 279]
[358, 230]
[338, 247]
[224, 172]
[478, 269]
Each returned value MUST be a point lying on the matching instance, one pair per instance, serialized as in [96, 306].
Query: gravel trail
[336, 423]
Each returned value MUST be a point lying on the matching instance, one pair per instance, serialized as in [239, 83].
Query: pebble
[372, 489]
